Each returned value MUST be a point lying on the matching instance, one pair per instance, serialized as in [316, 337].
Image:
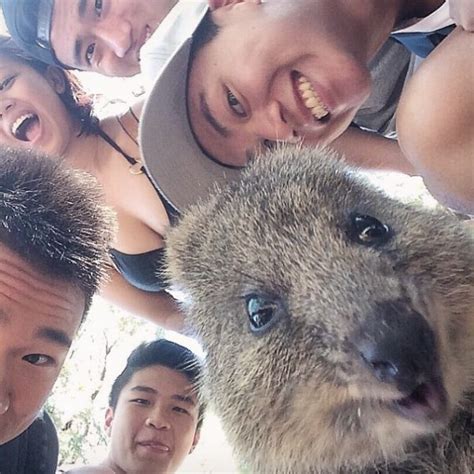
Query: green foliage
[79, 400]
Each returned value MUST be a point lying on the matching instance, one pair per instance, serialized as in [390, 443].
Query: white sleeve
[177, 27]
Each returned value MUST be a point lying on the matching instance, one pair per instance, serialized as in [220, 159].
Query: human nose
[116, 35]
[158, 419]
[272, 123]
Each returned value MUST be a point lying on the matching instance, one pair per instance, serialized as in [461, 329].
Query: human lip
[154, 446]
[311, 99]
[25, 126]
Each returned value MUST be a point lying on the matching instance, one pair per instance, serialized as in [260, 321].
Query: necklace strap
[124, 129]
[136, 166]
[134, 115]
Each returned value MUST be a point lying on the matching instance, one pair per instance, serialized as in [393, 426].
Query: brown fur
[297, 398]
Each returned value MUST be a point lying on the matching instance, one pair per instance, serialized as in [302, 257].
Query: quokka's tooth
[307, 94]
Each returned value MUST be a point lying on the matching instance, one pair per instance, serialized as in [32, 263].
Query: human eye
[140, 401]
[39, 359]
[235, 105]
[90, 53]
[98, 6]
[181, 410]
[7, 82]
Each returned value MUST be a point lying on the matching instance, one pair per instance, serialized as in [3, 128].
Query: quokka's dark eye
[263, 312]
[368, 230]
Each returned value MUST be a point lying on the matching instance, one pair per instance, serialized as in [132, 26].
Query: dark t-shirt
[35, 451]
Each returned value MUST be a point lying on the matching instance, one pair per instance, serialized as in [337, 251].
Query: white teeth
[18, 122]
[311, 99]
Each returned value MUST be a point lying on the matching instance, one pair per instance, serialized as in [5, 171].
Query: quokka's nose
[398, 346]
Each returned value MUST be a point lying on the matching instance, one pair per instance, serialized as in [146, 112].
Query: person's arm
[159, 308]
[462, 12]
[435, 122]
[372, 151]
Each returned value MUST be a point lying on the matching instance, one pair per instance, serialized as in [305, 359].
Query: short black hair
[206, 31]
[160, 352]
[77, 102]
[52, 217]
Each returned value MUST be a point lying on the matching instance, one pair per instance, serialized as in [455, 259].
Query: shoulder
[124, 123]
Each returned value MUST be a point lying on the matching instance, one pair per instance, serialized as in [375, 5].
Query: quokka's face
[336, 320]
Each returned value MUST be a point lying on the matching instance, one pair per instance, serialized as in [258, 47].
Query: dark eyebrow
[77, 52]
[81, 9]
[143, 388]
[54, 335]
[204, 106]
[184, 399]
[178, 397]
[81, 12]
[4, 318]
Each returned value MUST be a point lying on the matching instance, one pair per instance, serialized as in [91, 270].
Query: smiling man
[54, 238]
[104, 36]
[255, 73]
[154, 415]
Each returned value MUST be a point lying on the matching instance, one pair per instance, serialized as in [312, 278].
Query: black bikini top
[143, 270]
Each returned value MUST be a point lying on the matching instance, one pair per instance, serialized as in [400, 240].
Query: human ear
[109, 417]
[215, 4]
[57, 80]
[197, 436]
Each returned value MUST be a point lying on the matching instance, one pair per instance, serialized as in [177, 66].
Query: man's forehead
[40, 331]
[26, 288]
[159, 379]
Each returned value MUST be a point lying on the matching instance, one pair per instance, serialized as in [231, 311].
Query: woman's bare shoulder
[125, 122]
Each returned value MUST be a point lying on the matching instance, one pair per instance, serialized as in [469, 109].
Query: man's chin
[6, 436]
[9, 432]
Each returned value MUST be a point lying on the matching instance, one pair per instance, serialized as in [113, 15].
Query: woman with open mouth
[44, 107]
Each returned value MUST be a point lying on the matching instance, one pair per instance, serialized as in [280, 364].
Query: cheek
[186, 427]
[28, 402]
[355, 80]
[59, 130]
[127, 423]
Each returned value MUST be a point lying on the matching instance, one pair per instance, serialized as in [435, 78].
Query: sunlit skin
[243, 95]
[25, 91]
[154, 426]
[105, 36]
[39, 316]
